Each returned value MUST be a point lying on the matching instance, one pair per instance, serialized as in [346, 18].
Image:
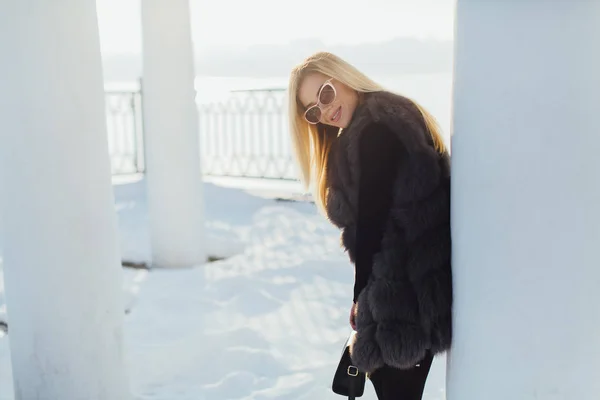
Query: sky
[252, 22]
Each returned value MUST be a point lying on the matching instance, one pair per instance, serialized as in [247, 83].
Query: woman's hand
[353, 316]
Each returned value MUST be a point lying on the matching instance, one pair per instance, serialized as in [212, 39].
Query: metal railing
[243, 136]
[125, 132]
[246, 136]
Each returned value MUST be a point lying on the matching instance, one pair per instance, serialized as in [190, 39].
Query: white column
[174, 177]
[526, 201]
[61, 263]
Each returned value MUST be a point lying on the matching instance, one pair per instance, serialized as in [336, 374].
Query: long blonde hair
[312, 142]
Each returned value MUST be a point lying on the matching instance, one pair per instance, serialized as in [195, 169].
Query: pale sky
[249, 22]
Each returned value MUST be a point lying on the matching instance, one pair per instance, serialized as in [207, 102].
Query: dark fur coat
[404, 311]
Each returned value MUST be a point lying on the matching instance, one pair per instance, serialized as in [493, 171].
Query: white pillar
[526, 201]
[61, 263]
[174, 177]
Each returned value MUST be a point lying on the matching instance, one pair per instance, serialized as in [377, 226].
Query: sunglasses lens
[327, 95]
[313, 115]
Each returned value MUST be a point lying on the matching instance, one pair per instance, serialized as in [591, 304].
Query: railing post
[61, 262]
[139, 123]
[526, 201]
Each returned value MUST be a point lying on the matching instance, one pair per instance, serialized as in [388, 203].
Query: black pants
[401, 384]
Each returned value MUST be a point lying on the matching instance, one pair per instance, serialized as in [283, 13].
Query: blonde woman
[380, 172]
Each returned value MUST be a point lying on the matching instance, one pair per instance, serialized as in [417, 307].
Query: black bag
[348, 380]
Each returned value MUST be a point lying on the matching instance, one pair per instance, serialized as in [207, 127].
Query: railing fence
[243, 136]
[125, 131]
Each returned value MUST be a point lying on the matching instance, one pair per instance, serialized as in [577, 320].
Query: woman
[381, 173]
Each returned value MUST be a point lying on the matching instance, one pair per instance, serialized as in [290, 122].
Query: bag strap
[352, 386]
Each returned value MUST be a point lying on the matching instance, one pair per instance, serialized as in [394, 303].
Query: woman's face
[339, 107]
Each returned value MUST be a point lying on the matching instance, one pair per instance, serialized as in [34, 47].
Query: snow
[267, 322]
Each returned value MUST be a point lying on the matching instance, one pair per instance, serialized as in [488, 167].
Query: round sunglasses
[325, 97]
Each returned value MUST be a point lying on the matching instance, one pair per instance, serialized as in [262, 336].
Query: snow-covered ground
[268, 322]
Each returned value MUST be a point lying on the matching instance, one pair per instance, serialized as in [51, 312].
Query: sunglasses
[325, 97]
